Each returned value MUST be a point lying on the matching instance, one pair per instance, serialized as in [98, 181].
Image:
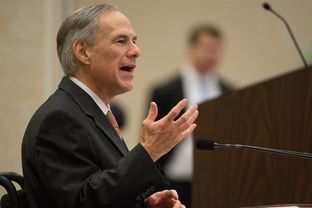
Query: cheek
[203, 56]
[106, 62]
[209, 56]
[111, 59]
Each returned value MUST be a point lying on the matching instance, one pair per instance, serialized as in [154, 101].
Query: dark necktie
[114, 123]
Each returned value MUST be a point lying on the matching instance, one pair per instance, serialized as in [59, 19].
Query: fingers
[190, 121]
[160, 137]
[174, 194]
[166, 198]
[177, 204]
[170, 194]
[152, 113]
[151, 199]
[188, 117]
[175, 111]
[186, 132]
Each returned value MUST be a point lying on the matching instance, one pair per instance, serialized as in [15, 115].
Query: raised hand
[159, 137]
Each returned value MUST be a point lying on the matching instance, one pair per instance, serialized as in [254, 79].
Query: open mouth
[127, 68]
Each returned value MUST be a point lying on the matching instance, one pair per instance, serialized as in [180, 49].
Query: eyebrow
[125, 37]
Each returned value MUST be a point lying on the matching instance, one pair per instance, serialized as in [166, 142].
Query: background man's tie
[114, 123]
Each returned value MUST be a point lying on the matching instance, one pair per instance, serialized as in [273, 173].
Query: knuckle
[162, 125]
[184, 119]
[144, 123]
[175, 112]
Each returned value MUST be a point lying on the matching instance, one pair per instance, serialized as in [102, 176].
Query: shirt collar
[104, 108]
[189, 72]
[198, 88]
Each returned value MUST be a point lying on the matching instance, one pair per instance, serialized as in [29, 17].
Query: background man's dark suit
[169, 94]
[72, 157]
[166, 96]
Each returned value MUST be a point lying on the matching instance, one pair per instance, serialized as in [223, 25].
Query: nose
[134, 51]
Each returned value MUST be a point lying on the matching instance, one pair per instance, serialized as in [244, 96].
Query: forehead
[206, 37]
[114, 23]
[207, 41]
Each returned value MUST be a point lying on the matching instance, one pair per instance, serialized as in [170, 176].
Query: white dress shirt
[104, 108]
[197, 88]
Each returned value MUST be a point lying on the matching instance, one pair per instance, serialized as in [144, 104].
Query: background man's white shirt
[197, 88]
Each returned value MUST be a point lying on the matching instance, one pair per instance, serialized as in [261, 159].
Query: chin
[126, 88]
[130, 88]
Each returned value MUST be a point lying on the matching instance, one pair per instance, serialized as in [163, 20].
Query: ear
[80, 52]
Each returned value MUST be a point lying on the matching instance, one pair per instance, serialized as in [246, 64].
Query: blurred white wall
[257, 48]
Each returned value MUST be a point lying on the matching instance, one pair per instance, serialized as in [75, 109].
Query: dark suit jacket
[72, 157]
[167, 96]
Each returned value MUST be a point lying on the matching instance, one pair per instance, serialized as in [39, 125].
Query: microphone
[203, 144]
[267, 7]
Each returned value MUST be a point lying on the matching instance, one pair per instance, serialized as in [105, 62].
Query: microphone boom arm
[280, 152]
[292, 37]
[267, 7]
[305, 155]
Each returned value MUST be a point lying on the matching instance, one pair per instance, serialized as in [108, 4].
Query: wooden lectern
[276, 113]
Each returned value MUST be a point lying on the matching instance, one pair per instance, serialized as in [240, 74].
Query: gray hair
[79, 26]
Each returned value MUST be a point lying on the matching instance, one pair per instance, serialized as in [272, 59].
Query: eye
[121, 41]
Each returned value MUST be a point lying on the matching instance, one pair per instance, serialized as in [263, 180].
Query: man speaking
[73, 153]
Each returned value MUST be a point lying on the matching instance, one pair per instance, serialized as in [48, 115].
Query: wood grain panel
[276, 113]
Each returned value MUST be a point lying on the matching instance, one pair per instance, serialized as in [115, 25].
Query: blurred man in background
[198, 81]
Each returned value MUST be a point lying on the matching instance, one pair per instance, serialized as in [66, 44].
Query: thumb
[152, 113]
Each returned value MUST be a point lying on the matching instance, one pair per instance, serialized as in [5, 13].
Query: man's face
[112, 58]
[205, 53]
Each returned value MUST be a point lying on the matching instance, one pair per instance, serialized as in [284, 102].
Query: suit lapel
[103, 123]
[90, 108]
